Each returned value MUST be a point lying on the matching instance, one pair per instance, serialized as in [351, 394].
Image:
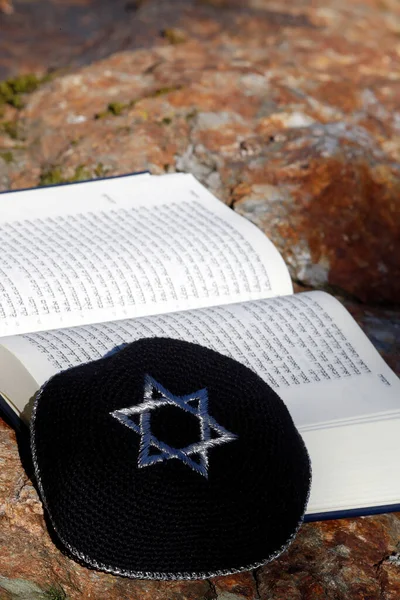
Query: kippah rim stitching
[148, 574]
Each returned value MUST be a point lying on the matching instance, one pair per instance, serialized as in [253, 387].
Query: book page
[306, 346]
[126, 247]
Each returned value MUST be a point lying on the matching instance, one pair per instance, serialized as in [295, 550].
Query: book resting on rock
[88, 267]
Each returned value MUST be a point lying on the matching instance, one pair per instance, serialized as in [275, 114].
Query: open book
[87, 267]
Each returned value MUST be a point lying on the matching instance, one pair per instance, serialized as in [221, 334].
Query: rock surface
[6, 7]
[289, 112]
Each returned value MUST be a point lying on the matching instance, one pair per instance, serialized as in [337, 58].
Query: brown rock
[6, 7]
[48, 34]
[330, 206]
[290, 116]
[351, 558]
[236, 587]
[382, 328]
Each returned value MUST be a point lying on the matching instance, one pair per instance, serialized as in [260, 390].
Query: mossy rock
[10, 128]
[7, 157]
[55, 176]
[12, 90]
[116, 109]
[22, 589]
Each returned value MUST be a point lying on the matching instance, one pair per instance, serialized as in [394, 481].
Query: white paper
[354, 467]
[306, 346]
[128, 247]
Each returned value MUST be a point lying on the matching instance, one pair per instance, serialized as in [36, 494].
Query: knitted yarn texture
[167, 460]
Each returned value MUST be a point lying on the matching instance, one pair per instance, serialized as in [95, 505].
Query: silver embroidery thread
[208, 427]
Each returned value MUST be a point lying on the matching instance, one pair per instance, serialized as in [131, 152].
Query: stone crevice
[213, 590]
[22, 482]
[255, 574]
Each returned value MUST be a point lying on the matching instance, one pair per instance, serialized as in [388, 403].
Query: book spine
[351, 513]
[9, 416]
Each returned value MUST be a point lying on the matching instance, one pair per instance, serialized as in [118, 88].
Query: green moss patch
[115, 109]
[10, 128]
[164, 90]
[7, 157]
[13, 90]
[54, 175]
[55, 592]
[174, 35]
[191, 115]
[100, 170]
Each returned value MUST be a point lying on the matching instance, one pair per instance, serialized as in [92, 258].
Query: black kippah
[167, 460]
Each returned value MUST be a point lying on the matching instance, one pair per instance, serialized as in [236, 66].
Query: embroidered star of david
[194, 455]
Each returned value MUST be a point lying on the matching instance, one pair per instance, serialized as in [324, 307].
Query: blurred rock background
[289, 112]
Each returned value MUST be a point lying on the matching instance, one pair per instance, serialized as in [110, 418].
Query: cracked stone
[236, 587]
[336, 559]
